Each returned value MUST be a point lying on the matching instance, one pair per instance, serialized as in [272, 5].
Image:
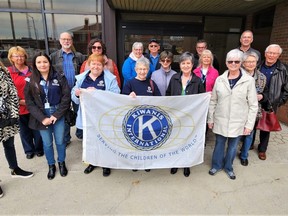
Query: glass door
[170, 38]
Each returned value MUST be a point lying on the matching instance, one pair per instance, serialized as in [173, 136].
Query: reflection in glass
[83, 28]
[88, 6]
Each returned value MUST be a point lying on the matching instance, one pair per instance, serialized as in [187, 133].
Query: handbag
[70, 117]
[269, 121]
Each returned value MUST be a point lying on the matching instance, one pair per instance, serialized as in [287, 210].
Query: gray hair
[186, 56]
[143, 61]
[247, 31]
[234, 54]
[253, 54]
[137, 45]
[67, 32]
[274, 45]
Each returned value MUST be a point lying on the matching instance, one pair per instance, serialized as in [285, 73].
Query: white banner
[144, 132]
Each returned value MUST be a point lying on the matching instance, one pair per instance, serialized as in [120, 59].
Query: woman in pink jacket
[206, 71]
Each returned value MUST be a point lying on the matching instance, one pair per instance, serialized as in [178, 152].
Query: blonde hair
[206, 52]
[95, 57]
[17, 50]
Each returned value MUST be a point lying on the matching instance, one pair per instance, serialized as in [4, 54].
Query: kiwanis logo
[147, 127]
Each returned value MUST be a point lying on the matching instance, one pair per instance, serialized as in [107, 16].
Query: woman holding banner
[94, 78]
[185, 83]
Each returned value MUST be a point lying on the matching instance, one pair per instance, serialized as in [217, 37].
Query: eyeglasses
[272, 53]
[153, 46]
[250, 62]
[166, 60]
[97, 47]
[16, 56]
[236, 62]
[66, 39]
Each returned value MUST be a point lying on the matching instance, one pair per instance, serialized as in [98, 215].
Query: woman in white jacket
[232, 112]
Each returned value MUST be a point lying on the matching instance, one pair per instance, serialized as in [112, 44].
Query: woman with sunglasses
[96, 46]
[162, 76]
[232, 112]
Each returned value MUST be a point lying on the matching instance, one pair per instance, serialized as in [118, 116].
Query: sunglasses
[236, 62]
[166, 60]
[153, 45]
[97, 47]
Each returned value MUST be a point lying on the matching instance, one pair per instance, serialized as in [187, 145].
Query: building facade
[36, 24]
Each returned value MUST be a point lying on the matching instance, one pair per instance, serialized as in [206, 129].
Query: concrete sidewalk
[260, 188]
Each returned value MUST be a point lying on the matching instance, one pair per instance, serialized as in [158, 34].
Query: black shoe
[1, 192]
[173, 170]
[106, 171]
[186, 171]
[134, 170]
[147, 170]
[80, 137]
[231, 175]
[29, 155]
[19, 173]
[68, 143]
[89, 169]
[62, 168]
[244, 162]
[51, 172]
[40, 154]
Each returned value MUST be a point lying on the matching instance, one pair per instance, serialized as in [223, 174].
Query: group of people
[45, 91]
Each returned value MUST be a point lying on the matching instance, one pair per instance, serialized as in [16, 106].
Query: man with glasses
[277, 82]
[201, 45]
[68, 62]
[153, 54]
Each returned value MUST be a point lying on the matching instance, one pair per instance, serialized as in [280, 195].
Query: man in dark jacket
[277, 82]
[68, 62]
[201, 45]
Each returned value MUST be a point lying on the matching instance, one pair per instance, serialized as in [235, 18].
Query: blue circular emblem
[147, 127]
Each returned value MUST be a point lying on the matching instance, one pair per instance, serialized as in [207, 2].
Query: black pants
[10, 152]
[264, 140]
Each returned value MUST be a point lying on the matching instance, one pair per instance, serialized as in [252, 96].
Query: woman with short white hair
[128, 69]
[232, 112]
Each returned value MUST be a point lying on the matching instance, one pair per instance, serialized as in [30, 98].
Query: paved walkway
[260, 189]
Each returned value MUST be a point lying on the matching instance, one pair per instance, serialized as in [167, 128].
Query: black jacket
[278, 89]
[36, 107]
[195, 86]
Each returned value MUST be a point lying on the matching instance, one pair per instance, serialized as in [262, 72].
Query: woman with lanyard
[48, 98]
[206, 71]
[185, 83]
[94, 78]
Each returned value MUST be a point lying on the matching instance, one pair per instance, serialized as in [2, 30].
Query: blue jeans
[219, 159]
[247, 141]
[58, 130]
[31, 139]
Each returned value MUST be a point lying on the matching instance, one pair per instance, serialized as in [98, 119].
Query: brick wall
[279, 36]
[279, 33]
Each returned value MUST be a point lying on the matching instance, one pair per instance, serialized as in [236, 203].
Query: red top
[19, 81]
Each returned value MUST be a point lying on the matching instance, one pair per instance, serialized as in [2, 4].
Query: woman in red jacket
[19, 71]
